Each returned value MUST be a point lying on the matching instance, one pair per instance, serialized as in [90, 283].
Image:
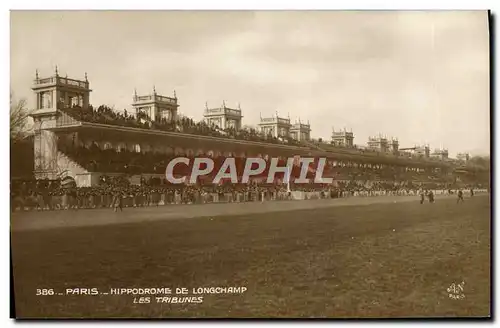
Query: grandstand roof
[199, 141]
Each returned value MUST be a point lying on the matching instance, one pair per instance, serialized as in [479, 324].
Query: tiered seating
[106, 115]
[95, 159]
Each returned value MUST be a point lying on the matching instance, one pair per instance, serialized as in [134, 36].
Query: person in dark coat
[431, 196]
[117, 200]
[460, 197]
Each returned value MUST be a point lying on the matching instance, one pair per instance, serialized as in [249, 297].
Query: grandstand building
[155, 107]
[379, 143]
[73, 138]
[342, 138]
[441, 154]
[275, 126]
[416, 151]
[422, 151]
[300, 131]
[394, 146]
[223, 117]
[463, 157]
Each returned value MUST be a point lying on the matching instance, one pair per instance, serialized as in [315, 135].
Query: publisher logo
[456, 291]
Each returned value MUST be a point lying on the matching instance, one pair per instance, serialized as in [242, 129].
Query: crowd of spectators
[125, 161]
[106, 115]
[96, 159]
[45, 194]
[181, 124]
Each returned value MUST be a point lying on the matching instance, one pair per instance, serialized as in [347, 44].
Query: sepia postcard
[250, 164]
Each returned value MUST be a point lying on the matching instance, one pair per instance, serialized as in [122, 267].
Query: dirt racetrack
[379, 260]
[91, 217]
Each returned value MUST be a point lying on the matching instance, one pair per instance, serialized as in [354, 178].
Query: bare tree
[19, 114]
[482, 161]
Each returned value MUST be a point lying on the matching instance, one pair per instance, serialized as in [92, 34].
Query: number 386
[44, 292]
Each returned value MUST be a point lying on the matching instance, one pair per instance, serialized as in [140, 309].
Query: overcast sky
[419, 76]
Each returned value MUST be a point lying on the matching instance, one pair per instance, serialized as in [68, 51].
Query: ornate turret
[223, 117]
[155, 106]
[342, 138]
[275, 126]
[300, 131]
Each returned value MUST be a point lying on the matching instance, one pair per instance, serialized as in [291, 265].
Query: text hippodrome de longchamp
[160, 294]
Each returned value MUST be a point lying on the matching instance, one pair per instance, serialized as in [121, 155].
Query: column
[57, 97]
[173, 113]
[49, 150]
[45, 148]
[66, 99]
[153, 112]
[38, 144]
[85, 100]
[53, 100]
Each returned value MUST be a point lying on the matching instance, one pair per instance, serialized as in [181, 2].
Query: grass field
[379, 260]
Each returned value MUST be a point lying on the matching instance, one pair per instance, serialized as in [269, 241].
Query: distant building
[223, 117]
[405, 153]
[275, 126]
[155, 106]
[300, 131]
[422, 151]
[342, 138]
[57, 91]
[64, 123]
[379, 143]
[53, 93]
[464, 157]
[440, 153]
[394, 146]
